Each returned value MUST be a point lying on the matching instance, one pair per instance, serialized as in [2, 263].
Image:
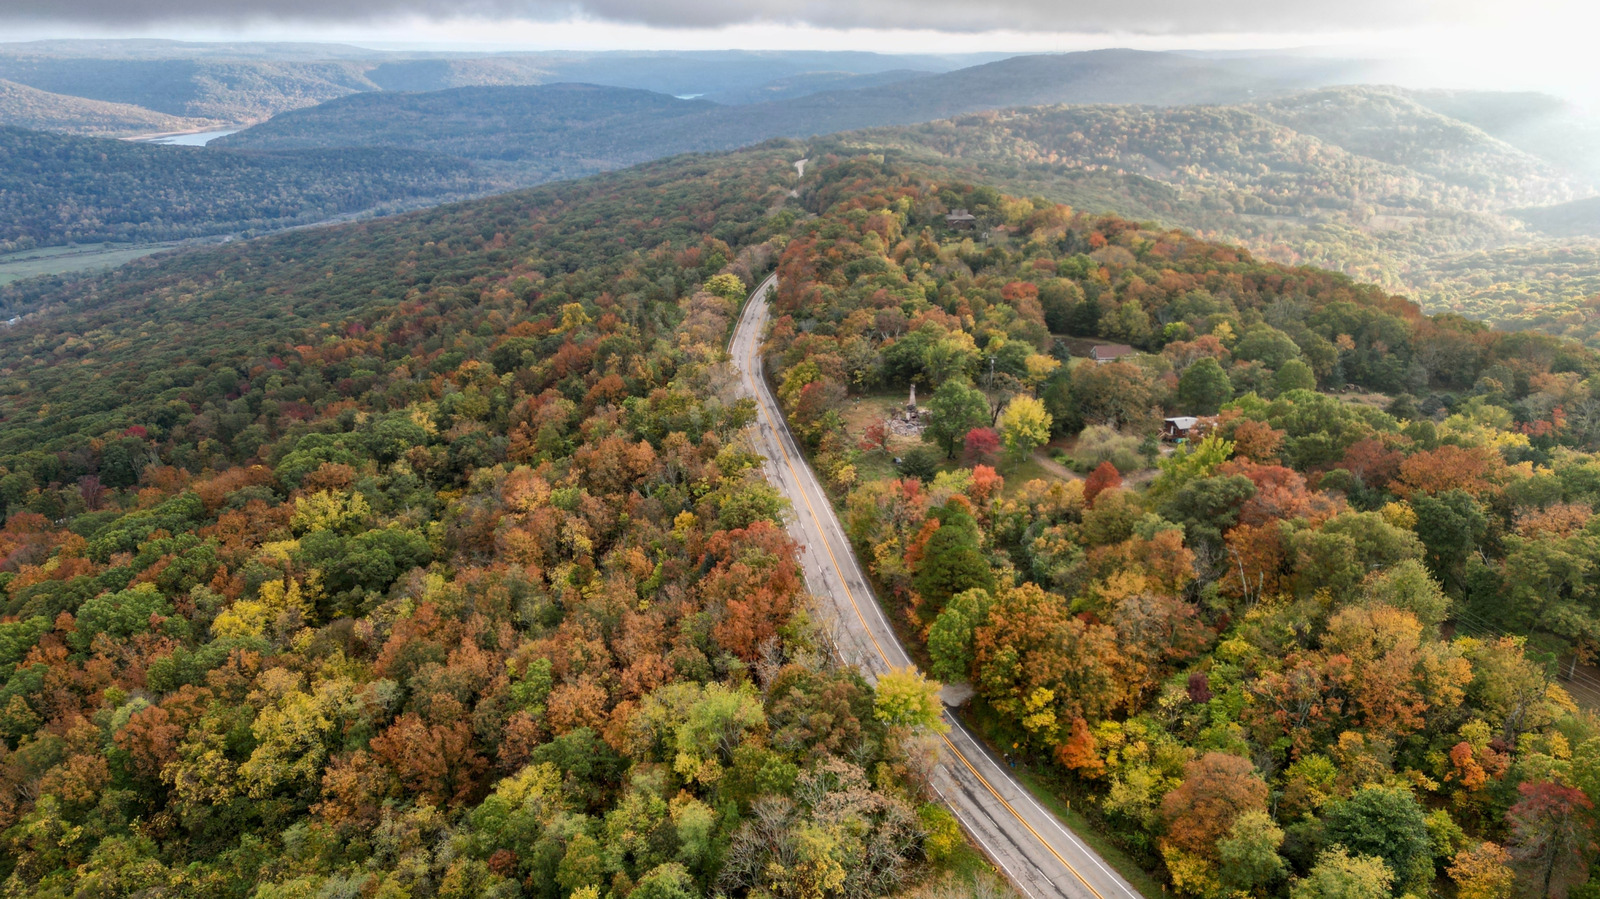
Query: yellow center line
[850, 594]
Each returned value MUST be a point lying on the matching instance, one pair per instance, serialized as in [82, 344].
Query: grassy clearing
[1017, 474]
[62, 260]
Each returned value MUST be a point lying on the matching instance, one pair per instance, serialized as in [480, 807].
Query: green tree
[1024, 425]
[1408, 586]
[1267, 345]
[725, 285]
[120, 615]
[950, 637]
[952, 560]
[956, 408]
[1451, 526]
[666, 881]
[1340, 875]
[1116, 394]
[1389, 823]
[1208, 507]
[1249, 855]
[1294, 375]
[1204, 387]
[1190, 463]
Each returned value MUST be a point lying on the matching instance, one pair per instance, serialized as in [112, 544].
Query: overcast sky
[1529, 43]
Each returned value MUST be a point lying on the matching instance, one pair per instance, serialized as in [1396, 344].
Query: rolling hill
[1389, 126]
[57, 189]
[1442, 232]
[1579, 218]
[1369, 181]
[28, 107]
[221, 89]
[435, 120]
[249, 82]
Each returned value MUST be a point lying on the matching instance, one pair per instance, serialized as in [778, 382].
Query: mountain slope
[429, 556]
[1231, 173]
[56, 188]
[233, 90]
[466, 696]
[27, 107]
[1579, 218]
[1385, 125]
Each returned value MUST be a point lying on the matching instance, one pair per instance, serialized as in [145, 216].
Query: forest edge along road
[1037, 853]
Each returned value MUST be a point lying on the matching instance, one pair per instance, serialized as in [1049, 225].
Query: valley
[793, 474]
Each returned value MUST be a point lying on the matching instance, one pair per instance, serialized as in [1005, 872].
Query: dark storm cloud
[1152, 17]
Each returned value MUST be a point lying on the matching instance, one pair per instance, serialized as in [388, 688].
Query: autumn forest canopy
[428, 556]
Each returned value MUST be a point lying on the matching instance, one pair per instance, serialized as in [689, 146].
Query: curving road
[1036, 852]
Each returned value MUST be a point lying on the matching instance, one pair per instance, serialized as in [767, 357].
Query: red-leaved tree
[1550, 837]
[980, 446]
[1105, 477]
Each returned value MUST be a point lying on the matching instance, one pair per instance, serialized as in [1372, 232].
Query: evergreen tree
[952, 560]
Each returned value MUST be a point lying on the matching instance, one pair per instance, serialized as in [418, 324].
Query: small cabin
[1110, 352]
[1178, 427]
[961, 220]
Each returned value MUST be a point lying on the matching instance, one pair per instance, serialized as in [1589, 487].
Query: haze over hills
[248, 82]
[1416, 216]
[812, 83]
[442, 120]
[1397, 186]
[222, 89]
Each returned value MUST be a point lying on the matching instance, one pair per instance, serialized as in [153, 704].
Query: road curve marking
[757, 296]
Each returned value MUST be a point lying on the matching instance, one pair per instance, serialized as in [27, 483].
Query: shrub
[1099, 443]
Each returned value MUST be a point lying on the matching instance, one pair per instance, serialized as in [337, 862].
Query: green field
[61, 260]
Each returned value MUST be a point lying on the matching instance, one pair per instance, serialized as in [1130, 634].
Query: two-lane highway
[1037, 853]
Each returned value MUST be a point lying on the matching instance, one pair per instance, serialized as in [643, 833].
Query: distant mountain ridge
[249, 82]
[1107, 76]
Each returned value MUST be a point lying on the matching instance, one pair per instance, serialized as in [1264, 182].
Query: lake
[197, 139]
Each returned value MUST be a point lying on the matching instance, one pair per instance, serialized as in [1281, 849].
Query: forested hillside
[56, 189]
[231, 90]
[1311, 650]
[1387, 125]
[25, 107]
[422, 557]
[538, 133]
[1368, 181]
[1376, 186]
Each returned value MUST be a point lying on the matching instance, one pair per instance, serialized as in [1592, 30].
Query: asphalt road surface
[1037, 853]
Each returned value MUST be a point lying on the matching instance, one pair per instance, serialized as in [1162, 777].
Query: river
[193, 139]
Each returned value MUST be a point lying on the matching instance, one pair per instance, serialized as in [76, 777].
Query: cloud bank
[1080, 16]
